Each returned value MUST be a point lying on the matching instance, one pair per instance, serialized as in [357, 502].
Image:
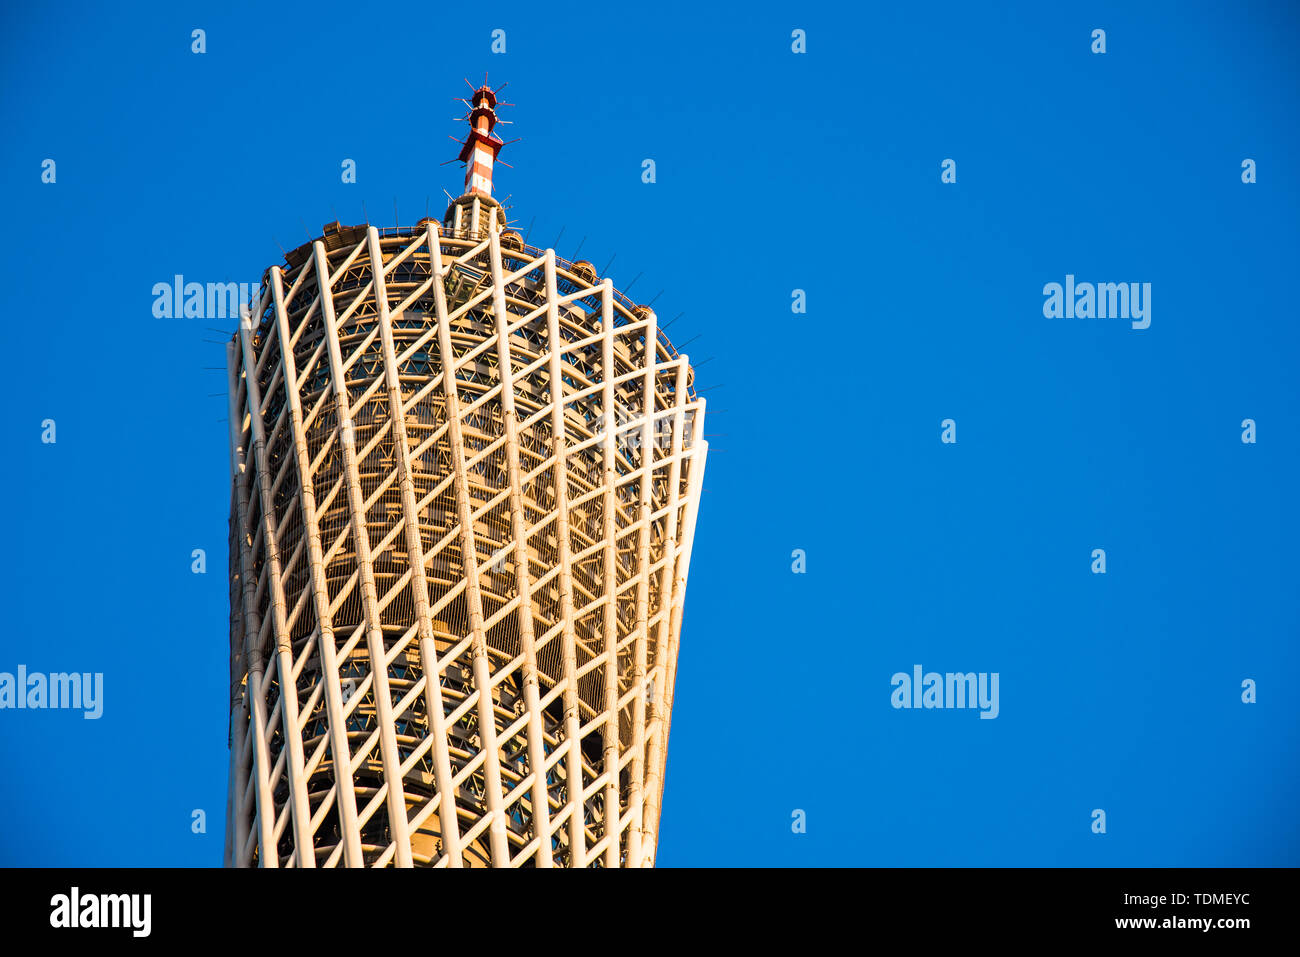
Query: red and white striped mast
[480, 149]
[476, 208]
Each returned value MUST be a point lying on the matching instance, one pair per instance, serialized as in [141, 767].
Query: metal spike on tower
[465, 480]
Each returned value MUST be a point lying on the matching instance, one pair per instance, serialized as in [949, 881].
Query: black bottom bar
[290, 908]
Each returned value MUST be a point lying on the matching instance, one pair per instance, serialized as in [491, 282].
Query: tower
[466, 475]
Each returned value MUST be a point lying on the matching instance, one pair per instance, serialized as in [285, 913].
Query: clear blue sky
[775, 171]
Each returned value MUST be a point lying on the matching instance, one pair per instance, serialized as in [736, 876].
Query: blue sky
[775, 171]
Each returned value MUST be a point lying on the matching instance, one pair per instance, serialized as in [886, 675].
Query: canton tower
[465, 480]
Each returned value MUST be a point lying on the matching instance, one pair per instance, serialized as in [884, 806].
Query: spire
[481, 146]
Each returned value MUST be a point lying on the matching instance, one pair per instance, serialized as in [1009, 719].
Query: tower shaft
[466, 478]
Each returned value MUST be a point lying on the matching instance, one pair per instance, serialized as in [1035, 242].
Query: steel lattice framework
[466, 477]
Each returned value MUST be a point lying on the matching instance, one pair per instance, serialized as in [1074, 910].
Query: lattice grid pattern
[466, 478]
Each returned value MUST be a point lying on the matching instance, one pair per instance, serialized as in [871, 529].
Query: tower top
[480, 148]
